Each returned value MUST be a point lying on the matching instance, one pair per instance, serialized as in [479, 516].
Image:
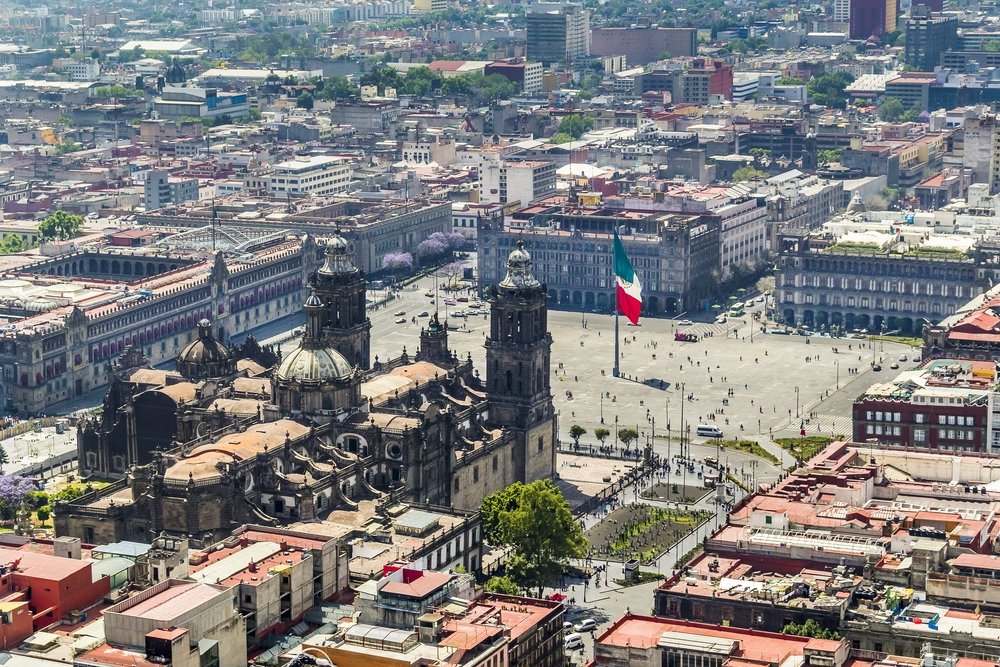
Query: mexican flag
[629, 289]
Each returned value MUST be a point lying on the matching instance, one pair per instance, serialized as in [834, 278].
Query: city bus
[736, 310]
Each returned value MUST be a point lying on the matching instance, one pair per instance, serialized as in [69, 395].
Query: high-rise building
[928, 36]
[872, 18]
[842, 10]
[558, 33]
[162, 189]
[641, 45]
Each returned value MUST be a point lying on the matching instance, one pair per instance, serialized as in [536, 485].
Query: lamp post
[796, 401]
[838, 374]
[602, 406]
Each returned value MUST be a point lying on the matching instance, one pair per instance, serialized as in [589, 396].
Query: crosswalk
[824, 423]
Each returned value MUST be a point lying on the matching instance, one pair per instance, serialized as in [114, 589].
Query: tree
[991, 45]
[560, 138]
[337, 88]
[503, 586]
[543, 534]
[60, 225]
[828, 89]
[13, 490]
[601, 434]
[760, 153]
[748, 173]
[810, 629]
[891, 110]
[305, 101]
[69, 493]
[397, 261]
[576, 432]
[43, 514]
[10, 244]
[627, 435]
[4, 459]
[788, 81]
[827, 155]
[494, 505]
[576, 125]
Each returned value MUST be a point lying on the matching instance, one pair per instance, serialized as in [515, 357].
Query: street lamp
[838, 374]
[796, 401]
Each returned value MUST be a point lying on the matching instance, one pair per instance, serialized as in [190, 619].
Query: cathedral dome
[314, 364]
[519, 273]
[337, 258]
[205, 356]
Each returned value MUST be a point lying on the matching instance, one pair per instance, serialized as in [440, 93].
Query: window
[495, 462]
[475, 474]
[541, 444]
[456, 485]
[768, 519]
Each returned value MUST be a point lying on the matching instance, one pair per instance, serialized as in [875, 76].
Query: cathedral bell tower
[518, 352]
[341, 287]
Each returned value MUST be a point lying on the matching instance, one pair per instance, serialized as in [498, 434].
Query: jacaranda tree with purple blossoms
[397, 261]
[13, 490]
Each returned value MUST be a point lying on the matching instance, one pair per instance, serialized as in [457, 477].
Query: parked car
[573, 642]
[586, 625]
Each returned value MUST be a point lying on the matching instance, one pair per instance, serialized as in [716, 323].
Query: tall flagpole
[616, 372]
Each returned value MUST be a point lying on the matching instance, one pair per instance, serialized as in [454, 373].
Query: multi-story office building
[525, 74]
[641, 45]
[366, 116]
[948, 406]
[313, 175]
[503, 181]
[842, 11]
[161, 189]
[860, 275]
[674, 254]
[872, 18]
[179, 102]
[928, 37]
[558, 33]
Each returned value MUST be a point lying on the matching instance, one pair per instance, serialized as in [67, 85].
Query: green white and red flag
[629, 289]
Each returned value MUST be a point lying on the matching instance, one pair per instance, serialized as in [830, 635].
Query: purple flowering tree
[13, 490]
[456, 240]
[397, 261]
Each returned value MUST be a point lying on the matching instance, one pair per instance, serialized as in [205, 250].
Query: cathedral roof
[519, 273]
[314, 364]
[337, 258]
[205, 348]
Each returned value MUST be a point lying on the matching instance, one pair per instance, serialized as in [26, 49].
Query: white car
[685, 323]
[399, 313]
[400, 320]
[759, 299]
[902, 357]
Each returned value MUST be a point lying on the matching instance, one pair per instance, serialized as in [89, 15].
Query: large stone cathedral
[243, 435]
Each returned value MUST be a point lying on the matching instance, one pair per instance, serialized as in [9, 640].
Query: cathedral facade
[242, 435]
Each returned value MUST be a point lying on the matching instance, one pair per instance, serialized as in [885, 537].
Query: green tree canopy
[810, 629]
[827, 155]
[788, 81]
[10, 244]
[627, 435]
[543, 534]
[305, 101]
[601, 434]
[891, 110]
[337, 88]
[575, 125]
[494, 506]
[748, 173]
[560, 138]
[828, 89]
[60, 225]
[576, 432]
[503, 586]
